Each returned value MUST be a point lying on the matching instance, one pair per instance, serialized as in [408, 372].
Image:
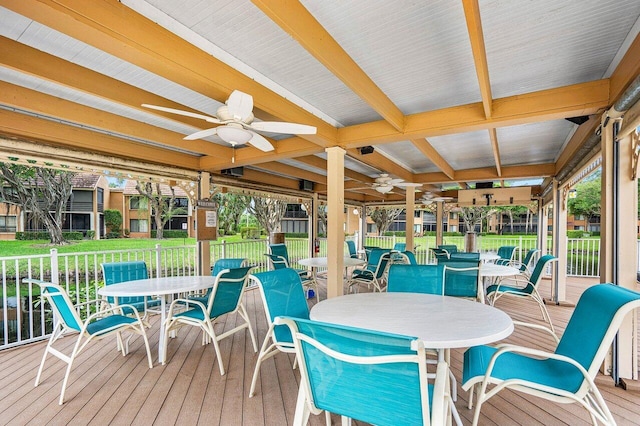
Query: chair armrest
[538, 327]
[114, 309]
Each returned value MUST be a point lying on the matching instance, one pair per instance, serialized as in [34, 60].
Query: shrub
[113, 235]
[91, 235]
[72, 236]
[249, 232]
[296, 235]
[170, 233]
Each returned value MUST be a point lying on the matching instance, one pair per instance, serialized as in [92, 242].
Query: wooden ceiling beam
[488, 173]
[476, 37]
[120, 31]
[22, 58]
[55, 107]
[293, 172]
[568, 101]
[434, 156]
[321, 163]
[380, 162]
[626, 72]
[52, 133]
[496, 150]
[296, 21]
[248, 155]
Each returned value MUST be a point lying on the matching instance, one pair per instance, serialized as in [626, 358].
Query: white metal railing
[22, 320]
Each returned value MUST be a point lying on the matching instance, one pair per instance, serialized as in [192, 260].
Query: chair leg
[57, 332]
[301, 417]
[245, 317]
[214, 339]
[261, 357]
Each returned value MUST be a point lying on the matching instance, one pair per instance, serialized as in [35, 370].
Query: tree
[41, 192]
[474, 216]
[269, 212]
[510, 211]
[113, 220]
[587, 200]
[322, 219]
[230, 209]
[163, 207]
[383, 217]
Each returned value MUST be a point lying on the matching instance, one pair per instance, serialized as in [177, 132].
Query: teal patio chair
[440, 253]
[225, 299]
[367, 250]
[506, 254]
[279, 256]
[528, 264]
[462, 255]
[523, 287]
[415, 279]
[117, 272]
[99, 325]
[400, 246]
[282, 294]
[353, 252]
[369, 376]
[450, 248]
[372, 274]
[407, 257]
[462, 278]
[565, 375]
[219, 266]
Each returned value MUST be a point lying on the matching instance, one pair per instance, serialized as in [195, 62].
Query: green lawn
[23, 248]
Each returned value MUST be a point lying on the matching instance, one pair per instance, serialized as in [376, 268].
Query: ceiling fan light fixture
[383, 189]
[233, 134]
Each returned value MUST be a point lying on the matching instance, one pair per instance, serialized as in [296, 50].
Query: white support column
[439, 225]
[335, 220]
[543, 220]
[313, 225]
[559, 277]
[204, 247]
[410, 220]
[626, 196]
[363, 226]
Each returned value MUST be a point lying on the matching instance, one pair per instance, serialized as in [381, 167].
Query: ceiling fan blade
[260, 142]
[240, 104]
[408, 184]
[283, 127]
[396, 182]
[179, 112]
[201, 134]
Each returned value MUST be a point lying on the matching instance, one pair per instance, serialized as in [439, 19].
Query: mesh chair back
[440, 253]
[374, 258]
[227, 291]
[536, 275]
[227, 263]
[282, 295]
[415, 279]
[451, 248]
[528, 259]
[400, 246]
[506, 253]
[62, 306]
[461, 277]
[465, 256]
[346, 388]
[280, 250]
[593, 325]
[411, 257]
[352, 249]
[119, 272]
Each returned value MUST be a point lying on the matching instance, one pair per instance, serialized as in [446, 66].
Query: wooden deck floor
[106, 388]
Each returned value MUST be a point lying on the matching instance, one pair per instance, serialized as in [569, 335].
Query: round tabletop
[493, 270]
[440, 321]
[157, 286]
[323, 262]
[485, 257]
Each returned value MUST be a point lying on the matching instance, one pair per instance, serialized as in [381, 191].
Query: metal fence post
[158, 260]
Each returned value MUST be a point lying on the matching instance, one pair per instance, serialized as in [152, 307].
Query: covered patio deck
[106, 388]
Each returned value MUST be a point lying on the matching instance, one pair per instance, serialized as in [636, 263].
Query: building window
[8, 224]
[137, 203]
[139, 225]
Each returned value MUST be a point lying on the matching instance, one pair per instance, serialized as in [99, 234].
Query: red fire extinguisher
[316, 246]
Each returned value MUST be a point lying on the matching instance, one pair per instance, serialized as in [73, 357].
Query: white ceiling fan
[429, 197]
[385, 183]
[237, 125]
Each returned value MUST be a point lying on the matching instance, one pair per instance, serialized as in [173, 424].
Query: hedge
[171, 233]
[44, 235]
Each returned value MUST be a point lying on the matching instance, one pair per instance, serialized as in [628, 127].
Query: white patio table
[442, 322]
[322, 262]
[163, 287]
